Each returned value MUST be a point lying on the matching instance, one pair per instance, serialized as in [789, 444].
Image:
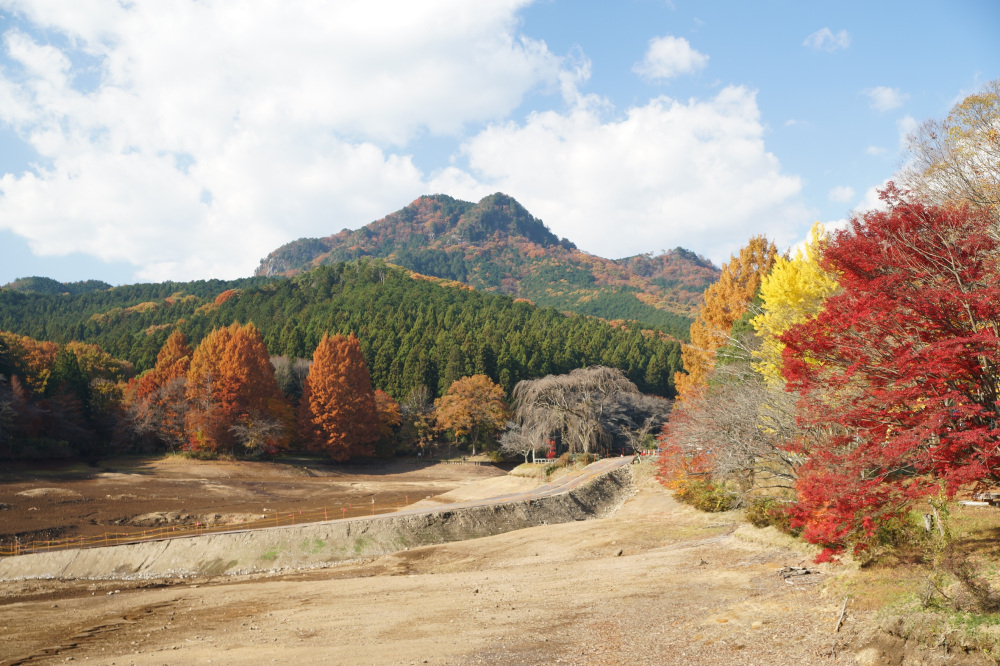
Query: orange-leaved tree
[30, 359]
[337, 412]
[172, 363]
[156, 402]
[232, 394]
[389, 419]
[725, 302]
[471, 406]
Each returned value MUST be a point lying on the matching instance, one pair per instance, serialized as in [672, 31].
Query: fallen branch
[840, 620]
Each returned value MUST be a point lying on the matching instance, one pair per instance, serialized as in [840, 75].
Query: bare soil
[655, 583]
[59, 500]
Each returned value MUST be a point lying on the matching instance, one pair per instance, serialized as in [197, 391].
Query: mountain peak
[497, 245]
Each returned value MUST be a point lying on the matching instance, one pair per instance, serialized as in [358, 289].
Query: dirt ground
[62, 500]
[655, 583]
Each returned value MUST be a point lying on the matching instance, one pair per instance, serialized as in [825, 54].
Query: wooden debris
[788, 572]
[840, 620]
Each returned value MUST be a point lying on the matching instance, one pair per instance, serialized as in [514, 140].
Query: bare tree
[640, 415]
[291, 376]
[958, 159]
[256, 432]
[519, 441]
[745, 426]
[589, 407]
[418, 416]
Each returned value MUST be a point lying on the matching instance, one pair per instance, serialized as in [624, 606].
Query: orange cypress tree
[725, 302]
[337, 413]
[231, 385]
[172, 362]
[156, 400]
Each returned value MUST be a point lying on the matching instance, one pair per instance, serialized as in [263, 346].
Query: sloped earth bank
[59, 500]
[605, 485]
[653, 583]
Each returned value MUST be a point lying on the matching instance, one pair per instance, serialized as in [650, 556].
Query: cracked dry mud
[686, 588]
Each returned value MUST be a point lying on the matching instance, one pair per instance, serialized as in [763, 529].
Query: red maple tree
[904, 362]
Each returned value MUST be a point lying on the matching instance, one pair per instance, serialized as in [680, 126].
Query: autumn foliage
[157, 399]
[904, 359]
[472, 406]
[231, 381]
[337, 413]
[725, 302]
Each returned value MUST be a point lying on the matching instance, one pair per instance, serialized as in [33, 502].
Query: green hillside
[44, 285]
[412, 331]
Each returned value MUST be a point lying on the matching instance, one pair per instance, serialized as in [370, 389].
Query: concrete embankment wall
[316, 544]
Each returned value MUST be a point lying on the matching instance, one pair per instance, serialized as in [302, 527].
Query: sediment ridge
[318, 544]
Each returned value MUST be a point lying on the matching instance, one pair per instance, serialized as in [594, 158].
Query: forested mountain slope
[412, 331]
[44, 285]
[498, 246]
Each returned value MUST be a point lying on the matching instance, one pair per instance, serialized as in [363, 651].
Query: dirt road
[656, 583]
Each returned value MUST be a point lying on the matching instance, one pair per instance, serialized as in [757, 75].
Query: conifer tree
[172, 363]
[337, 413]
[230, 383]
[725, 302]
[156, 402]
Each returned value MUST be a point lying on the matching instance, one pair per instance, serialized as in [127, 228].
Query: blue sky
[186, 140]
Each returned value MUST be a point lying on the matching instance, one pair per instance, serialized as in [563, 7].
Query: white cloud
[886, 99]
[841, 194]
[668, 57]
[825, 39]
[906, 125]
[218, 130]
[830, 227]
[875, 151]
[695, 174]
[871, 200]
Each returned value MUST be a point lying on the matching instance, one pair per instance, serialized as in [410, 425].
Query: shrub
[886, 536]
[705, 495]
[768, 511]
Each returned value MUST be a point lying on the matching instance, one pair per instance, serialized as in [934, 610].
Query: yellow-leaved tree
[793, 292]
[725, 302]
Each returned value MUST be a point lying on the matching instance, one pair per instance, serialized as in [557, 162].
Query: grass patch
[528, 471]
[271, 555]
[312, 546]
[930, 587]
[361, 544]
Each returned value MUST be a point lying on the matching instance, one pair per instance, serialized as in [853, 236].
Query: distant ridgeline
[498, 246]
[412, 330]
[44, 285]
